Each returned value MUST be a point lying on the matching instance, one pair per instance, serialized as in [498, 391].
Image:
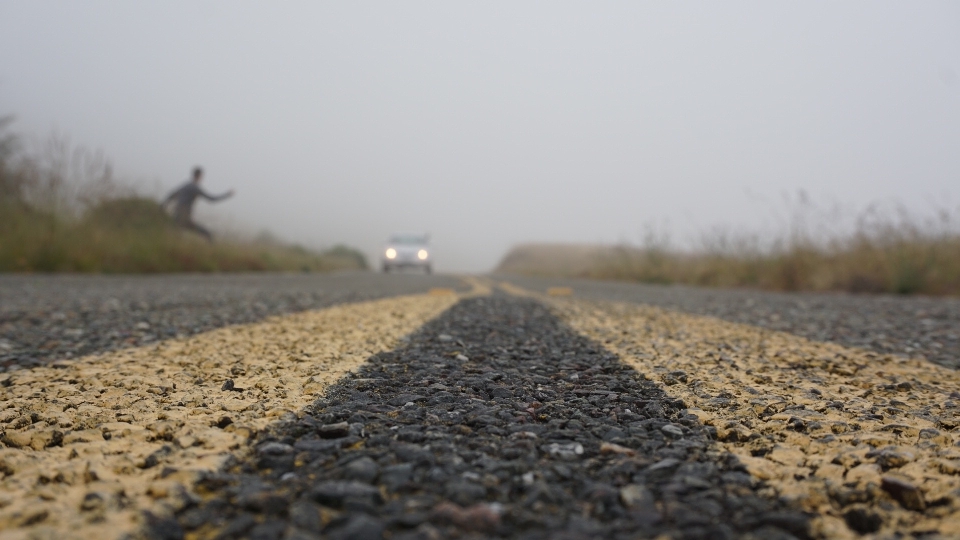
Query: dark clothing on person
[183, 198]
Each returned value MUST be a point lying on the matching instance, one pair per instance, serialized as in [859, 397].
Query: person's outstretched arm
[215, 198]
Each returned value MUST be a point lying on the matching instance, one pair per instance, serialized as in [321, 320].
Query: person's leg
[193, 226]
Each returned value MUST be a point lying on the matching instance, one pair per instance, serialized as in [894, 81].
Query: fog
[488, 124]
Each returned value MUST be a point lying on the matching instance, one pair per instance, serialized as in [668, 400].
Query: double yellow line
[91, 443]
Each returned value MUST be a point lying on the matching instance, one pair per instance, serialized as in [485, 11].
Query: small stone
[908, 495]
[224, 421]
[92, 502]
[635, 495]
[672, 430]
[395, 476]
[227, 385]
[611, 448]
[335, 493]
[363, 469]
[444, 337]
[334, 431]
[862, 521]
[162, 526]
[274, 449]
[479, 517]
[461, 357]
[890, 459]
[403, 399]
[668, 463]
[564, 451]
[464, 492]
[949, 466]
[358, 527]
[17, 439]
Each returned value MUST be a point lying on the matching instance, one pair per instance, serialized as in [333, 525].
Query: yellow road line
[559, 291]
[90, 443]
[817, 421]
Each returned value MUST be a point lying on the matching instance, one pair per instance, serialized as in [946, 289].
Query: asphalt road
[915, 326]
[44, 318]
[371, 406]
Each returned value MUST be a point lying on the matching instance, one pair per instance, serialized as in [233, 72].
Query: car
[407, 251]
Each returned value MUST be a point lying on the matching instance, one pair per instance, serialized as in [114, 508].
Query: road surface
[367, 406]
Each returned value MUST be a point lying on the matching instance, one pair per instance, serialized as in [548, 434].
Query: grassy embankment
[62, 211]
[885, 254]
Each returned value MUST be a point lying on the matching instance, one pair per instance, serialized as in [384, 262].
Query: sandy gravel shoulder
[90, 444]
[868, 443]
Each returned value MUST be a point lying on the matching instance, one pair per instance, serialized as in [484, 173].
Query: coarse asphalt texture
[495, 420]
[506, 416]
[44, 318]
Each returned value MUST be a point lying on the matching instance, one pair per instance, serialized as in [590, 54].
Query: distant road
[49, 317]
[905, 325]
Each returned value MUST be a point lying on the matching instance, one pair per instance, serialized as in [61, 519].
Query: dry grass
[61, 210]
[887, 253]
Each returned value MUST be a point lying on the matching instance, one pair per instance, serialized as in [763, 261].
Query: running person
[183, 198]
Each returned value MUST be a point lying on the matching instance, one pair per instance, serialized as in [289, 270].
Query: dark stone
[863, 521]
[268, 530]
[237, 526]
[363, 469]
[908, 495]
[274, 449]
[161, 528]
[403, 399]
[314, 445]
[334, 493]
[305, 515]
[262, 501]
[464, 492]
[358, 527]
[334, 431]
[395, 476]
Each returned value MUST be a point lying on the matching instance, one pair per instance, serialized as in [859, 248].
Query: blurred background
[787, 146]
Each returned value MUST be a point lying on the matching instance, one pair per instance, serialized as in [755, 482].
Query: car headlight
[422, 254]
[391, 253]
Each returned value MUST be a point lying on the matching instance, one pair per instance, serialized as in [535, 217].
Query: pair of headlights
[392, 254]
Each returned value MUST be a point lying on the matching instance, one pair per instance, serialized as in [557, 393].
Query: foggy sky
[487, 124]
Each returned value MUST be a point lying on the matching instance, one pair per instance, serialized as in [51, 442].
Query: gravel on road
[866, 443]
[45, 318]
[912, 326]
[495, 420]
[523, 416]
[88, 444]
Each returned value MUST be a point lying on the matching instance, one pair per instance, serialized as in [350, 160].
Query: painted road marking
[92, 442]
[829, 428]
[559, 291]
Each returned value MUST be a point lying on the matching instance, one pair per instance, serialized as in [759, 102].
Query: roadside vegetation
[62, 210]
[885, 251]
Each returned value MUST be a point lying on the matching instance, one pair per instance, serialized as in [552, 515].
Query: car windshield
[408, 240]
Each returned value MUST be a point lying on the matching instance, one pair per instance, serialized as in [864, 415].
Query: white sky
[488, 124]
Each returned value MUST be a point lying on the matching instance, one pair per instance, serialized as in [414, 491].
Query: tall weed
[888, 250]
